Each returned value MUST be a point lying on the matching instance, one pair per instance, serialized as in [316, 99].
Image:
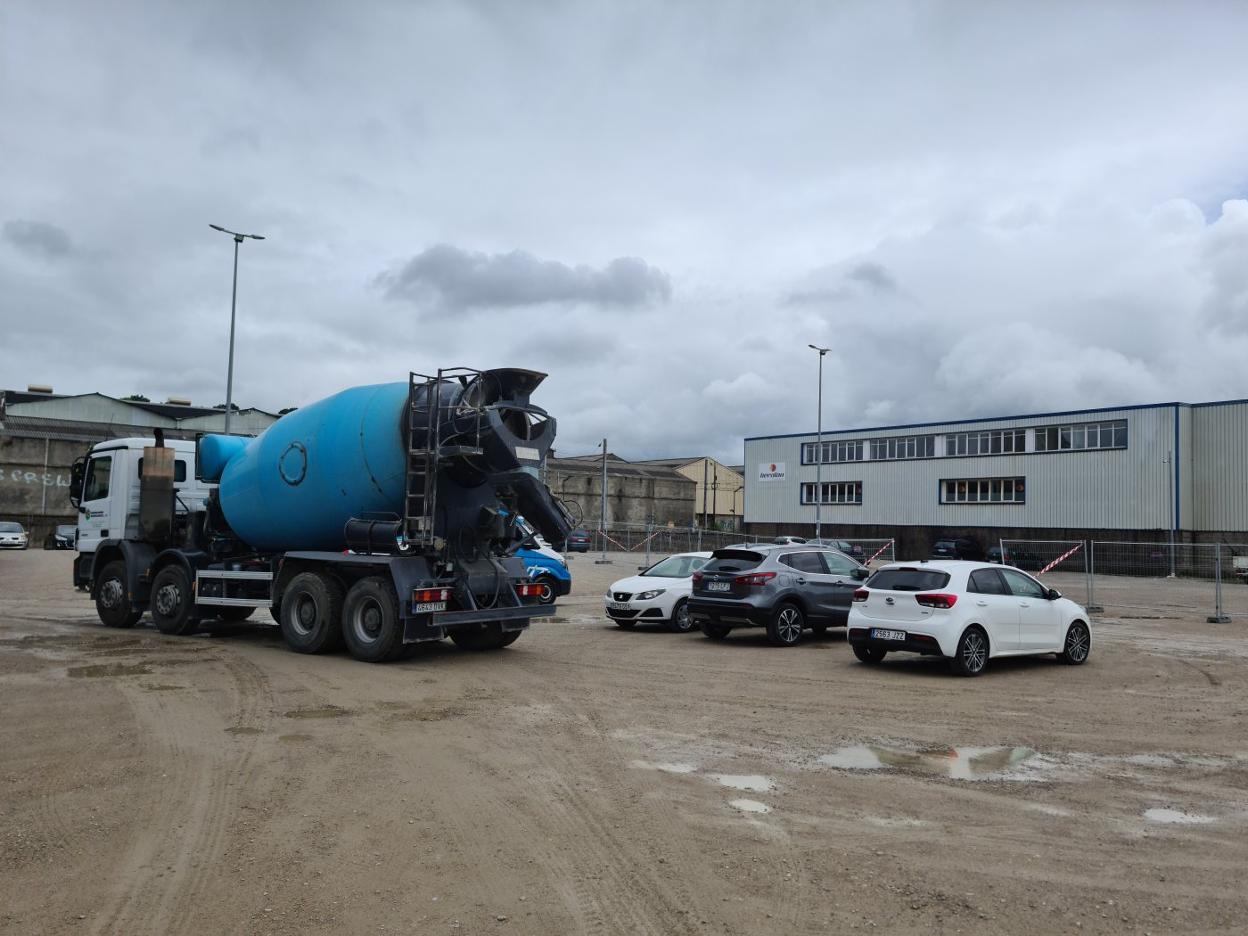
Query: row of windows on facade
[952, 491]
[1074, 437]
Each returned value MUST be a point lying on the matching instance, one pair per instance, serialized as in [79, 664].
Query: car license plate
[881, 634]
[618, 606]
[425, 607]
[718, 586]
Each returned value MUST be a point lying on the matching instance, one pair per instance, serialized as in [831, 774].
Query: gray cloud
[875, 275]
[38, 238]
[463, 279]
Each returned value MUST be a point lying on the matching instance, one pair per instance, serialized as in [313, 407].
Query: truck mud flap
[434, 626]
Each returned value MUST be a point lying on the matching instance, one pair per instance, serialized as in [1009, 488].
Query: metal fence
[1159, 580]
[660, 541]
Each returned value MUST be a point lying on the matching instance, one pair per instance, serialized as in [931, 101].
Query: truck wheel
[172, 607]
[488, 636]
[310, 614]
[111, 603]
[370, 620]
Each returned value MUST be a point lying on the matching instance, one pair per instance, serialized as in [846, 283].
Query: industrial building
[637, 494]
[42, 432]
[1121, 473]
[719, 495]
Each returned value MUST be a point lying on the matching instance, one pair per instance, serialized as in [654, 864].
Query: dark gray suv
[785, 589]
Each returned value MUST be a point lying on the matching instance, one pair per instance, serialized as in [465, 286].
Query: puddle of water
[666, 768]
[956, 763]
[328, 711]
[1176, 817]
[750, 783]
[749, 805]
[98, 670]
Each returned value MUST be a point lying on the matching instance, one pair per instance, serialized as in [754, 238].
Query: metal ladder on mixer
[424, 421]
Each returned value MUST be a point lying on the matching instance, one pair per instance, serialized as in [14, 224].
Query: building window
[984, 491]
[994, 442]
[1081, 436]
[826, 452]
[834, 492]
[903, 447]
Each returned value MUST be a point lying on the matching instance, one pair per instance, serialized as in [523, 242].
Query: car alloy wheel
[1078, 644]
[972, 652]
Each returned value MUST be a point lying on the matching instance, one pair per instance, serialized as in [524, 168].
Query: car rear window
[732, 560]
[908, 579]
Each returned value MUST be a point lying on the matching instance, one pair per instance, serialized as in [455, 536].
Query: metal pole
[1218, 616]
[819, 455]
[229, 380]
[1170, 504]
[705, 463]
[602, 516]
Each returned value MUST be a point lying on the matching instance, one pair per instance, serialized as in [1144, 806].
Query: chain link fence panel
[1060, 564]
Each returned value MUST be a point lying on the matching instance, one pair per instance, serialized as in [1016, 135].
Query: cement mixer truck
[378, 518]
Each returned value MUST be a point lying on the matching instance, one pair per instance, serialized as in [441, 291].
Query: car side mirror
[642, 568]
[861, 574]
[1052, 594]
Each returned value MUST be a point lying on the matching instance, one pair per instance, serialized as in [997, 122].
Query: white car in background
[659, 594]
[969, 612]
[13, 535]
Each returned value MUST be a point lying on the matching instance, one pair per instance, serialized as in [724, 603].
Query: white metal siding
[1115, 489]
[1220, 467]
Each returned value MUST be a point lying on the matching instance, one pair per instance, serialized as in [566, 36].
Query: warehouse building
[719, 493]
[637, 494]
[1132, 472]
[42, 432]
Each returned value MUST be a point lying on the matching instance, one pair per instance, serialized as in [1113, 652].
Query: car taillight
[697, 578]
[936, 600]
[426, 595]
[861, 594]
[755, 578]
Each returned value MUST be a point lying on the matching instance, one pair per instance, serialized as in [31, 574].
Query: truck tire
[370, 620]
[111, 602]
[310, 614]
[172, 605]
[487, 636]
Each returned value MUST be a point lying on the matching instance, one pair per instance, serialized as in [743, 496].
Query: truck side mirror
[76, 474]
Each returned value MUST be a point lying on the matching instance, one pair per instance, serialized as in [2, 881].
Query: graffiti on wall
[44, 478]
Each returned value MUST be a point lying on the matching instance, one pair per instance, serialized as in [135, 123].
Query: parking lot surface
[593, 780]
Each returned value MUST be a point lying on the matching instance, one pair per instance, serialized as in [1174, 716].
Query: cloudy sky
[981, 208]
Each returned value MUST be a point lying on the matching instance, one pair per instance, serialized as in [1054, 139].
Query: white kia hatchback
[968, 612]
[660, 594]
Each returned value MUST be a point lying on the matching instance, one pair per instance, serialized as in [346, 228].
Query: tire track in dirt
[171, 862]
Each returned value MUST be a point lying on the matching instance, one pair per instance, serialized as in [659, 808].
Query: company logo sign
[771, 471]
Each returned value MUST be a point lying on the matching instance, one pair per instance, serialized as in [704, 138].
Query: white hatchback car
[966, 611]
[659, 593]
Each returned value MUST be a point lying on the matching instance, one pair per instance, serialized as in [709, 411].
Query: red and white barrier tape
[878, 553]
[1060, 559]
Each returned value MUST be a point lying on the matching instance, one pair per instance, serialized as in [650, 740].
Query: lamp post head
[822, 351]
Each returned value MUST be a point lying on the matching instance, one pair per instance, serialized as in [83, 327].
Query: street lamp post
[819, 447]
[229, 379]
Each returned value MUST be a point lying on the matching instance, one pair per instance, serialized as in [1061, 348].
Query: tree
[289, 409]
[136, 398]
[233, 407]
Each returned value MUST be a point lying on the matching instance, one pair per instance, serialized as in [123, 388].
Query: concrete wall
[34, 482]
[634, 495]
[724, 497]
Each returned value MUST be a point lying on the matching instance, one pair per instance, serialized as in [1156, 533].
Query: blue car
[546, 567]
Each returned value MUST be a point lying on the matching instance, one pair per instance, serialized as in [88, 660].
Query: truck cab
[109, 478]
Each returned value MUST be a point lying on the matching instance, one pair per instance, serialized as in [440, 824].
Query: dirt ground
[592, 780]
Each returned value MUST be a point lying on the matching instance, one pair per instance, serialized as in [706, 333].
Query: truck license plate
[881, 634]
[425, 607]
[718, 586]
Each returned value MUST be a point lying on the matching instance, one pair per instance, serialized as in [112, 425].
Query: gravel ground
[592, 780]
